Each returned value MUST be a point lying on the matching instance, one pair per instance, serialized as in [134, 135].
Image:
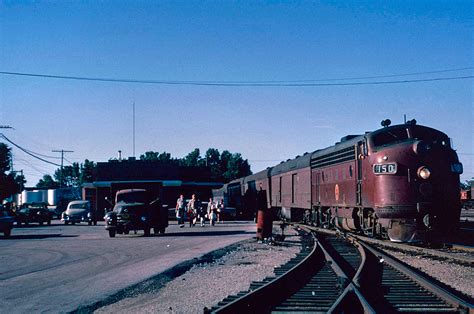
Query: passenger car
[133, 210]
[34, 212]
[6, 221]
[79, 211]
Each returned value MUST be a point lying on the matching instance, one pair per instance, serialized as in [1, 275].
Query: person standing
[180, 210]
[211, 207]
[192, 211]
[220, 212]
[201, 213]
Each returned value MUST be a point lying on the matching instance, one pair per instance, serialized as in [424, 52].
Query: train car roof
[264, 174]
[346, 141]
[292, 164]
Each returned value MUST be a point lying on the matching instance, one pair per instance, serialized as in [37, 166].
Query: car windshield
[78, 206]
[132, 197]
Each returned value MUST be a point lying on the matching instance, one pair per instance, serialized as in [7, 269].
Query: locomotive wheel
[7, 233]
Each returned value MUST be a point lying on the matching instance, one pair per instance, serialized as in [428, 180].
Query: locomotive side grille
[346, 154]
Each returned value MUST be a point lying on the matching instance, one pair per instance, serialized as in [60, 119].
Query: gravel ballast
[205, 284]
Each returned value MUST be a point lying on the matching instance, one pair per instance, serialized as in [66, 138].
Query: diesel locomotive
[399, 182]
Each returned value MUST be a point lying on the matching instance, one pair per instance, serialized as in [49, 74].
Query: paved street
[58, 268]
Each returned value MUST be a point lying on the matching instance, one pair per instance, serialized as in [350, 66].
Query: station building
[166, 181]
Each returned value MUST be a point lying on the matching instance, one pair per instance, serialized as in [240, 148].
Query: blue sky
[228, 41]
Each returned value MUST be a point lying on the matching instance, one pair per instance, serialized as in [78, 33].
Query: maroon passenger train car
[400, 182]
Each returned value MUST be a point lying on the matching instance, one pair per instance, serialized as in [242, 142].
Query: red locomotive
[399, 182]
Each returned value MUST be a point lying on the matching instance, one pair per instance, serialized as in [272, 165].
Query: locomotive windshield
[394, 135]
[430, 136]
[390, 137]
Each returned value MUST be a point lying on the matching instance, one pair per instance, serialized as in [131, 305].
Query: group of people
[193, 211]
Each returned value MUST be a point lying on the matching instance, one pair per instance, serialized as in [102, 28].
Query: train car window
[390, 137]
[293, 185]
[350, 171]
[280, 188]
[322, 176]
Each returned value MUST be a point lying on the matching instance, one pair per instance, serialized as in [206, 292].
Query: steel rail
[351, 296]
[276, 290]
[381, 258]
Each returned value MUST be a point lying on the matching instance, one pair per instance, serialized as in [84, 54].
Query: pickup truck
[134, 210]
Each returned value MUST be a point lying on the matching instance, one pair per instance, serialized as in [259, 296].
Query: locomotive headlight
[424, 173]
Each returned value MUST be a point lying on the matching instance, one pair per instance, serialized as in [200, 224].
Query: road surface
[60, 268]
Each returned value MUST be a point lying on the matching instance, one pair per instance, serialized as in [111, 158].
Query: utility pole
[133, 128]
[62, 151]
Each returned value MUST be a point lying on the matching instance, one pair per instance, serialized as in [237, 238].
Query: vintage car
[34, 212]
[6, 221]
[134, 210]
[79, 211]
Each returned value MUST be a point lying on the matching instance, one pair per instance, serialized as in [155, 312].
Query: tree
[47, 182]
[237, 167]
[10, 183]
[70, 176]
[150, 156]
[87, 171]
[213, 160]
[193, 159]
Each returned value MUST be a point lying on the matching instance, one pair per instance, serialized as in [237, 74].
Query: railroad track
[343, 274]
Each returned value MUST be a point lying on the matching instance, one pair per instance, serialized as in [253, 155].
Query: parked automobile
[134, 210]
[79, 211]
[6, 221]
[34, 212]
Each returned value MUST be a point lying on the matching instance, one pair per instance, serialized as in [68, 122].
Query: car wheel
[147, 231]
[18, 223]
[66, 222]
[112, 233]
[162, 231]
[126, 232]
[7, 233]
[156, 230]
[49, 222]
[40, 223]
[95, 222]
[73, 223]
[90, 223]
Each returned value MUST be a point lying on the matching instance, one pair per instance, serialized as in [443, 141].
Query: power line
[308, 83]
[27, 152]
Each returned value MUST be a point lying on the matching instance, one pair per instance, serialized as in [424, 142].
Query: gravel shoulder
[458, 277]
[205, 284]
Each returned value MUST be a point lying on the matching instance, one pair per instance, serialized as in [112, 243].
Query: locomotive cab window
[390, 137]
[431, 136]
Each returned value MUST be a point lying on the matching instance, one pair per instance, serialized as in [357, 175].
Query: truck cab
[133, 209]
